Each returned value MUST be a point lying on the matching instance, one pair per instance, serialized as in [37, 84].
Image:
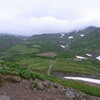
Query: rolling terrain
[53, 56]
[43, 49]
[7, 41]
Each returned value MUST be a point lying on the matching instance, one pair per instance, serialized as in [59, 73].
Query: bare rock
[3, 97]
[74, 94]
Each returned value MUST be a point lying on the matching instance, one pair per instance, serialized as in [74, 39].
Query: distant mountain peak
[89, 27]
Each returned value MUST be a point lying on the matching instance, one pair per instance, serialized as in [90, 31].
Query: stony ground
[20, 89]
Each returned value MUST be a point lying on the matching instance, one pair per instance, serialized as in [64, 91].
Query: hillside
[39, 64]
[57, 44]
[88, 44]
[17, 82]
[7, 41]
[40, 51]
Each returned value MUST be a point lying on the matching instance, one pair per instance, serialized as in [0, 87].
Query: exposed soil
[47, 54]
[21, 89]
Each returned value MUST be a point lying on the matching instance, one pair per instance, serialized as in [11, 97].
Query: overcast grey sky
[28, 17]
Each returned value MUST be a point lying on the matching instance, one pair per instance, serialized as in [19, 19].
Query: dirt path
[50, 66]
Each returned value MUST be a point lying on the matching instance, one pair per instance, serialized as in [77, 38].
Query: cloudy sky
[28, 17]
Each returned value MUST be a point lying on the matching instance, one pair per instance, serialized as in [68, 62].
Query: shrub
[25, 74]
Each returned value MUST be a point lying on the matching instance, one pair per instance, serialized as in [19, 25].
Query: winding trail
[91, 80]
[50, 66]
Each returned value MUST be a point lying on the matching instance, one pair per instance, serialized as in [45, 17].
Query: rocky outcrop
[75, 95]
[16, 88]
[4, 97]
[68, 93]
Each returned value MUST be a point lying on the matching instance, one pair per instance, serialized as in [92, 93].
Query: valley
[53, 57]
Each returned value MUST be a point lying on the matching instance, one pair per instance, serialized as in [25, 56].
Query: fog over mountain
[28, 17]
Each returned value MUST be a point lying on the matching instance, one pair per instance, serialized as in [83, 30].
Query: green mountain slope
[38, 55]
[7, 41]
[39, 51]
[54, 45]
[90, 43]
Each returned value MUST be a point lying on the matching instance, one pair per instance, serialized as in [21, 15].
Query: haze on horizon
[28, 17]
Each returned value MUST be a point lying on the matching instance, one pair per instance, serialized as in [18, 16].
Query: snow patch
[80, 57]
[63, 46]
[84, 79]
[82, 35]
[98, 58]
[70, 37]
[62, 35]
[89, 55]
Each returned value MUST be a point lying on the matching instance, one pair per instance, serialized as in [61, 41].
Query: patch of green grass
[40, 64]
[89, 43]
[11, 68]
[23, 49]
[84, 67]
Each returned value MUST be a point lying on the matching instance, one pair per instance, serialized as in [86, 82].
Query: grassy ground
[12, 68]
[62, 65]
[38, 64]
[23, 49]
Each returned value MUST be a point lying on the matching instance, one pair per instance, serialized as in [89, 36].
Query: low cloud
[28, 17]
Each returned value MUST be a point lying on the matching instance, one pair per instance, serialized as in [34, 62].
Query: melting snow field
[70, 37]
[82, 35]
[98, 57]
[80, 57]
[62, 35]
[84, 79]
[63, 46]
[89, 55]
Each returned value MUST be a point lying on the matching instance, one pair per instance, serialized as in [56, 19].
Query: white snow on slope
[97, 81]
[98, 58]
[89, 55]
[80, 57]
[62, 35]
[82, 35]
[70, 37]
[63, 46]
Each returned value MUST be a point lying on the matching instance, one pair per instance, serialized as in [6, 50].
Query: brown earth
[47, 54]
[22, 91]
[17, 88]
